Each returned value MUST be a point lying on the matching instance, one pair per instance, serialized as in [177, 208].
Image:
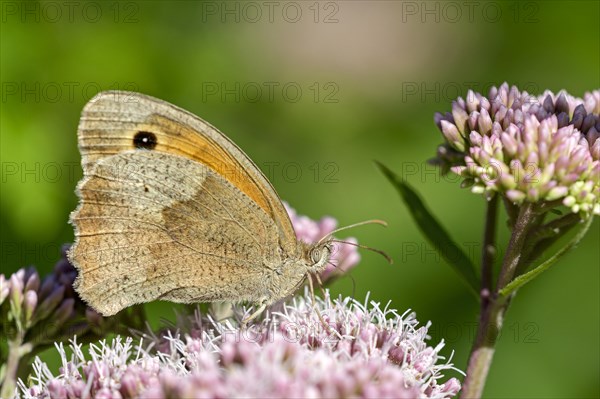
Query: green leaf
[434, 231]
[523, 279]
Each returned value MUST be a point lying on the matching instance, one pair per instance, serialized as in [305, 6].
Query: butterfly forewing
[171, 209]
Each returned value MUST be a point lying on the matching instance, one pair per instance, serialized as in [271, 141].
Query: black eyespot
[145, 140]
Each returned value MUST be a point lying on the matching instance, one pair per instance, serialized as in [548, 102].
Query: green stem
[544, 237]
[516, 244]
[490, 324]
[511, 210]
[549, 205]
[494, 308]
[16, 350]
[518, 282]
[489, 247]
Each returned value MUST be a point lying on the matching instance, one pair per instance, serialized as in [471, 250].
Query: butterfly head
[318, 256]
[289, 276]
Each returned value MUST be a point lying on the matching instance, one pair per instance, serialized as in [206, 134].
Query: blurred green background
[313, 93]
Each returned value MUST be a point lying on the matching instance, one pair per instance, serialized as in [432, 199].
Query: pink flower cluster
[44, 310]
[527, 148]
[367, 352]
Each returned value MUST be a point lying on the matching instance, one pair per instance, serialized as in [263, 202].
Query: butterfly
[171, 209]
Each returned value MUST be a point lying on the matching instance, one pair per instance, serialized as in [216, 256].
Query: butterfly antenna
[374, 221]
[380, 252]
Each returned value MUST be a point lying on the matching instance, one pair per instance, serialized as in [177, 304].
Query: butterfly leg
[331, 331]
[257, 313]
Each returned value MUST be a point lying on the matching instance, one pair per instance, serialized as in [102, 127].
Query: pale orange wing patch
[111, 120]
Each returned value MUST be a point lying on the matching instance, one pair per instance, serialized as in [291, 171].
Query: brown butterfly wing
[109, 124]
[211, 228]
[159, 226]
